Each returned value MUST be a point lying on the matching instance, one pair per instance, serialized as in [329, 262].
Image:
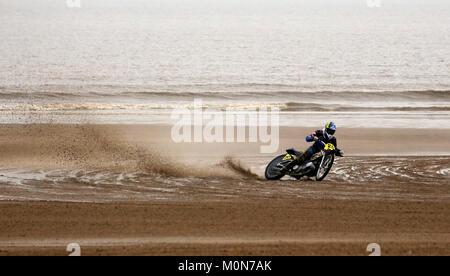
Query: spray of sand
[237, 167]
[91, 147]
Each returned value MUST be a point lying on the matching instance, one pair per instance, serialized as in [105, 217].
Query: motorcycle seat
[294, 152]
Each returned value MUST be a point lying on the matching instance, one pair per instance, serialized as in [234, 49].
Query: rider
[326, 135]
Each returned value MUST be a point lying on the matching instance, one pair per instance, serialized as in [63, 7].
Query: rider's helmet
[329, 130]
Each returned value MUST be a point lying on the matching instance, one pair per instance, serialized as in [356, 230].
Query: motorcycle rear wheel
[271, 169]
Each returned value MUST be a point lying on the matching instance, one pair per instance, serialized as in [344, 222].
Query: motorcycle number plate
[287, 157]
[330, 146]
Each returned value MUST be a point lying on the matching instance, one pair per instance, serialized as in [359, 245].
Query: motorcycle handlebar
[318, 140]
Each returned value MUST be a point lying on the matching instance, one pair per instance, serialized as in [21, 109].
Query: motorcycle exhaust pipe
[305, 168]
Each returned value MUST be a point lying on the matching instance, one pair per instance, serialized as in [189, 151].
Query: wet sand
[264, 227]
[94, 186]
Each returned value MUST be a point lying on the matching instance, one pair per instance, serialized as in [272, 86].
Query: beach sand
[254, 227]
[390, 189]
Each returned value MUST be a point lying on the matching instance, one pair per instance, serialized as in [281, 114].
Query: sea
[375, 63]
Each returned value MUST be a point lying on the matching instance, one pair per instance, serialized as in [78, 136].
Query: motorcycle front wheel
[325, 167]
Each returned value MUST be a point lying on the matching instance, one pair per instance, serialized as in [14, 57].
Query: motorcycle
[319, 166]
